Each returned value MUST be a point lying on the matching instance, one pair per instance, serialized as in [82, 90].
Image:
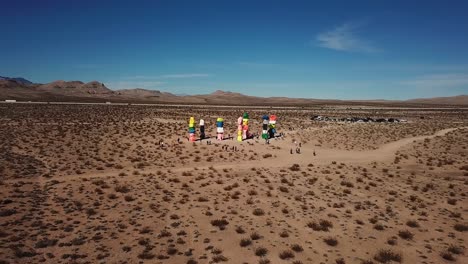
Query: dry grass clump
[322, 225]
[447, 256]
[286, 254]
[331, 241]
[245, 242]
[387, 256]
[295, 167]
[219, 258]
[220, 223]
[258, 212]
[255, 236]
[240, 230]
[122, 189]
[405, 234]
[461, 227]
[379, 227]
[297, 248]
[261, 251]
[412, 223]
[455, 250]
[284, 234]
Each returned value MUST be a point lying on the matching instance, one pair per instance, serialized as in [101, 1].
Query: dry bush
[286, 254]
[387, 255]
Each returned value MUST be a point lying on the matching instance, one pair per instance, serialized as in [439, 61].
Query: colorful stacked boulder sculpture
[266, 119]
[202, 129]
[220, 128]
[192, 129]
[239, 129]
[272, 125]
[245, 126]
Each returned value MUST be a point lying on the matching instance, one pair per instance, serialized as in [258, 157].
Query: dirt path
[384, 153]
[323, 156]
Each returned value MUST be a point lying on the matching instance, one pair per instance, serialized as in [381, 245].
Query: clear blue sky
[344, 49]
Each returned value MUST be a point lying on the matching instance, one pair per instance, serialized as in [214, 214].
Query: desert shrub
[452, 201]
[347, 184]
[258, 212]
[164, 233]
[7, 212]
[220, 223]
[245, 242]
[286, 254]
[405, 234]
[171, 251]
[340, 261]
[412, 223]
[122, 189]
[331, 241]
[146, 255]
[219, 258]
[90, 211]
[455, 249]
[297, 248]
[129, 198]
[387, 255]
[295, 167]
[255, 236]
[461, 227]
[261, 251]
[379, 227]
[240, 230]
[392, 241]
[43, 243]
[447, 256]
[322, 225]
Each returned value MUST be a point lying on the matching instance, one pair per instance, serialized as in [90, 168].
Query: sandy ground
[112, 184]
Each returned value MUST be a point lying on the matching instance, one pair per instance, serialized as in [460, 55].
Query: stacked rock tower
[272, 125]
[220, 128]
[192, 129]
[245, 126]
[266, 119]
[202, 129]
[239, 129]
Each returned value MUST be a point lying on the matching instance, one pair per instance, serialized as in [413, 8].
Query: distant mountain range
[18, 80]
[21, 89]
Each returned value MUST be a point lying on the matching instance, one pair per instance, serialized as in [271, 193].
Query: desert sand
[122, 184]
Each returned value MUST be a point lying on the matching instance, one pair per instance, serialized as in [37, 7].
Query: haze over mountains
[76, 91]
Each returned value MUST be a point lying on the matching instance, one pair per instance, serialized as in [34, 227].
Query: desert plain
[90, 183]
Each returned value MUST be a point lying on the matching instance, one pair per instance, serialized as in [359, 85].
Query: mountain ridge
[95, 91]
[16, 79]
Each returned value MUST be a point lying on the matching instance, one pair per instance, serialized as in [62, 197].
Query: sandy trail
[383, 153]
[284, 159]
[324, 156]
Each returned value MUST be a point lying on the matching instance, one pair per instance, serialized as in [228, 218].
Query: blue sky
[314, 49]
